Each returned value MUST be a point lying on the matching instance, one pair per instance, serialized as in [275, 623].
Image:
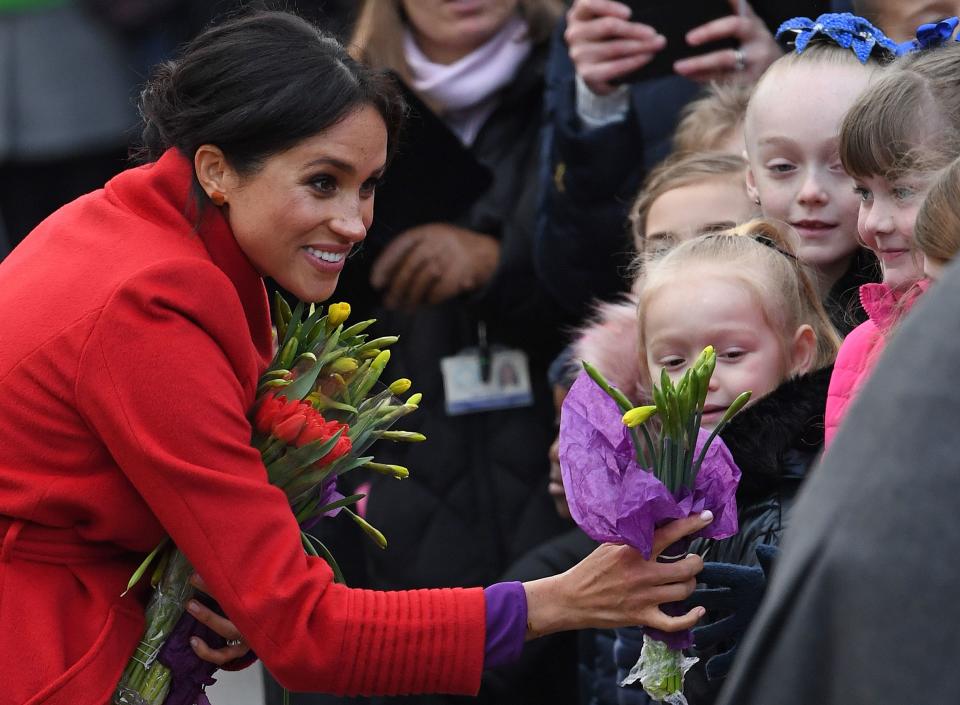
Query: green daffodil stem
[731, 411]
[611, 391]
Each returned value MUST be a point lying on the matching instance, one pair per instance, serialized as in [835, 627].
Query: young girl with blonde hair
[744, 292]
[795, 173]
[685, 196]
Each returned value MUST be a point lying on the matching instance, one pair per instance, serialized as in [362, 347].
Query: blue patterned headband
[843, 29]
[930, 35]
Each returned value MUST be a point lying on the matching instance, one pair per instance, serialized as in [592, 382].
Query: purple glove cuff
[506, 614]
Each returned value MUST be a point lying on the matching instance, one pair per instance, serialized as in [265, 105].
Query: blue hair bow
[930, 35]
[844, 29]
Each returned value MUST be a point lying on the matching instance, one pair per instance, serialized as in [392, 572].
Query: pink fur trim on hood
[610, 342]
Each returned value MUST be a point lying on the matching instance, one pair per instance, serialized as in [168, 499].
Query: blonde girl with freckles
[795, 173]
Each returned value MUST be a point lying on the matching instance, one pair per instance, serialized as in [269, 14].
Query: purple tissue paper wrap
[612, 498]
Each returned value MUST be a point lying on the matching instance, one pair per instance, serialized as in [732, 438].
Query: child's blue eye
[862, 193]
[903, 193]
[732, 354]
[781, 168]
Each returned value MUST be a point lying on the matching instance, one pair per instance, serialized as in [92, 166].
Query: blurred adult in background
[66, 107]
[899, 19]
[604, 136]
[449, 258]
[70, 71]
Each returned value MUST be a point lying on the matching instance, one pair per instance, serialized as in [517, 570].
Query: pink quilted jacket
[861, 349]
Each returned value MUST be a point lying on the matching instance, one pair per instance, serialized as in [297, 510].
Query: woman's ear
[212, 169]
[803, 351]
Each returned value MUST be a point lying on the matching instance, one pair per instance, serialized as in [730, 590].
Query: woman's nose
[349, 223]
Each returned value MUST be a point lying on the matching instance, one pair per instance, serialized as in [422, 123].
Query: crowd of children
[846, 148]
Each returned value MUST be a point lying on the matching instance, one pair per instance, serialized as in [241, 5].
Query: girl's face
[448, 30]
[707, 306]
[792, 135]
[888, 212]
[298, 217]
[716, 203]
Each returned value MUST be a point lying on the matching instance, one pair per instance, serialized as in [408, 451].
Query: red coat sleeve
[166, 380]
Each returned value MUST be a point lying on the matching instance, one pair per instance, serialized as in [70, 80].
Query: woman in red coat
[134, 327]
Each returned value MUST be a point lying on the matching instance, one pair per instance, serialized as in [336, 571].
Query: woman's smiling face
[299, 215]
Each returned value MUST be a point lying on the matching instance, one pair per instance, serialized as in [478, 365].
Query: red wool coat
[130, 347]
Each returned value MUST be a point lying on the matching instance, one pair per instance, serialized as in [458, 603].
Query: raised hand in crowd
[432, 263]
[605, 45]
[758, 49]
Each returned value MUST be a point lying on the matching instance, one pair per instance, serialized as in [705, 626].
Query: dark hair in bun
[256, 85]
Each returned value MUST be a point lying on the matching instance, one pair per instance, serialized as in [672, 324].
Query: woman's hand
[758, 49]
[605, 45]
[616, 587]
[236, 647]
[429, 264]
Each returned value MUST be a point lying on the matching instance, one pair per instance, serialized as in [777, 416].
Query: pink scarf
[467, 89]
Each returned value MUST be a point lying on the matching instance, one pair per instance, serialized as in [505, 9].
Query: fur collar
[780, 435]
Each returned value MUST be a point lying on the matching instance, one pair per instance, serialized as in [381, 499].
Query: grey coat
[862, 608]
[65, 85]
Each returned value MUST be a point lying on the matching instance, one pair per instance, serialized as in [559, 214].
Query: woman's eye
[368, 187]
[324, 183]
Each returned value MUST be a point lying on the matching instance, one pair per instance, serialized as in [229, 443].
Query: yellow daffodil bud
[735, 407]
[381, 360]
[368, 529]
[403, 436]
[337, 314]
[369, 354]
[638, 415]
[397, 471]
[344, 365]
[400, 386]
[415, 399]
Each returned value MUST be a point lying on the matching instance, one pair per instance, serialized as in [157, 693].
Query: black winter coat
[476, 499]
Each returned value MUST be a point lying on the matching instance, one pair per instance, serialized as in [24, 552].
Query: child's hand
[758, 49]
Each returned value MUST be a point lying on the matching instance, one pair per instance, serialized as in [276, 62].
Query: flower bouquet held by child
[317, 412]
[623, 480]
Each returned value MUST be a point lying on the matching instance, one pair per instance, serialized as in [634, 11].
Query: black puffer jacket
[774, 443]
[476, 499]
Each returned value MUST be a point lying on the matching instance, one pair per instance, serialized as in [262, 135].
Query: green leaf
[142, 568]
[320, 551]
[295, 460]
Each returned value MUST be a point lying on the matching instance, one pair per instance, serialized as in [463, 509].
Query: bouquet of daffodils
[319, 408]
[624, 478]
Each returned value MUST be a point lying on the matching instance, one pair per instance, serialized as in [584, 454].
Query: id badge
[507, 386]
